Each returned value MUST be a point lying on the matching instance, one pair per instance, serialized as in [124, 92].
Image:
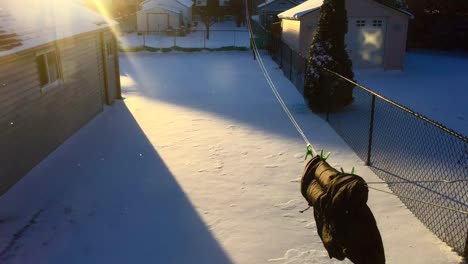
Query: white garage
[159, 15]
[376, 32]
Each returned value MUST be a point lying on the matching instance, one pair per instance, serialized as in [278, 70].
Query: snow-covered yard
[435, 85]
[222, 34]
[196, 165]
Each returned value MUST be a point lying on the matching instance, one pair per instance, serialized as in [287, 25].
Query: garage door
[157, 21]
[366, 41]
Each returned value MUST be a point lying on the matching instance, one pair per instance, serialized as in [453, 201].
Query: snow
[199, 164]
[38, 22]
[221, 35]
[432, 84]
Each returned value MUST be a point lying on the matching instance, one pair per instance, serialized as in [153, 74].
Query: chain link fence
[423, 162]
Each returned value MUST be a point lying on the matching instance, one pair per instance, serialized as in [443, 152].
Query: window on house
[47, 65]
[360, 23]
[199, 2]
[377, 23]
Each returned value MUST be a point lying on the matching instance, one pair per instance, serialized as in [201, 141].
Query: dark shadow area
[108, 197]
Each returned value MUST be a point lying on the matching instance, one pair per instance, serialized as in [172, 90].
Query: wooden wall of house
[290, 34]
[34, 123]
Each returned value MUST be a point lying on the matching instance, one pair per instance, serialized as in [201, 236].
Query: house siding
[34, 123]
[290, 33]
[309, 27]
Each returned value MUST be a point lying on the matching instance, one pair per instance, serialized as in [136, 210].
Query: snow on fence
[186, 39]
[418, 158]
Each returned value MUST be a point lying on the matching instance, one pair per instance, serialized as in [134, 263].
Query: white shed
[376, 32]
[159, 15]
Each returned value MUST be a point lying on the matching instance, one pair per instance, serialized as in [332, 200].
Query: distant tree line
[438, 24]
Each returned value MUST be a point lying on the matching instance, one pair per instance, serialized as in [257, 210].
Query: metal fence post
[281, 55]
[466, 247]
[290, 63]
[371, 131]
[234, 38]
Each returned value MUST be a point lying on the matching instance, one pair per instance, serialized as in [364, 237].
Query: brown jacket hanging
[344, 221]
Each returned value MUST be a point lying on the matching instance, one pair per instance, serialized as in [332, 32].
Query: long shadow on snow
[123, 205]
[227, 84]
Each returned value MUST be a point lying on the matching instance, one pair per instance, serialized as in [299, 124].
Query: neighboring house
[201, 2]
[58, 67]
[376, 33]
[159, 15]
[205, 2]
[268, 11]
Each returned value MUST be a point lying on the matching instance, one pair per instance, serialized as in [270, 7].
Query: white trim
[44, 51]
[51, 86]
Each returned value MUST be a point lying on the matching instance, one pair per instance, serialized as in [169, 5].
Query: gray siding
[32, 123]
[269, 13]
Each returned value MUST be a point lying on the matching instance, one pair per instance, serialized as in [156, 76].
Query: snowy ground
[432, 84]
[198, 165]
[222, 34]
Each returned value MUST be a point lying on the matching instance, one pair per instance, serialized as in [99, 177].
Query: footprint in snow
[290, 205]
[296, 180]
[288, 215]
[299, 155]
[304, 255]
[310, 225]
[271, 166]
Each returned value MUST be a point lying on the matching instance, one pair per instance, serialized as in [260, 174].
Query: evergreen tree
[324, 91]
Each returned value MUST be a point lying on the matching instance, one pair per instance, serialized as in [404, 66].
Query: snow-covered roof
[302, 9]
[25, 24]
[311, 5]
[150, 4]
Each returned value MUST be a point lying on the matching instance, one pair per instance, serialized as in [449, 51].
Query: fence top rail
[404, 108]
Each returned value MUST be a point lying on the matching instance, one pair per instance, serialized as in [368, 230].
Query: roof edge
[272, 1]
[298, 16]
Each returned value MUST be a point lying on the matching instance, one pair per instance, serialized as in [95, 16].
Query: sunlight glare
[126, 81]
[374, 39]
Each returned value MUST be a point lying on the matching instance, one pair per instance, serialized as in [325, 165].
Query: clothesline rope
[420, 201]
[273, 87]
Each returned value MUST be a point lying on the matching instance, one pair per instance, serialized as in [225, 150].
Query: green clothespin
[326, 155]
[352, 171]
[309, 151]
